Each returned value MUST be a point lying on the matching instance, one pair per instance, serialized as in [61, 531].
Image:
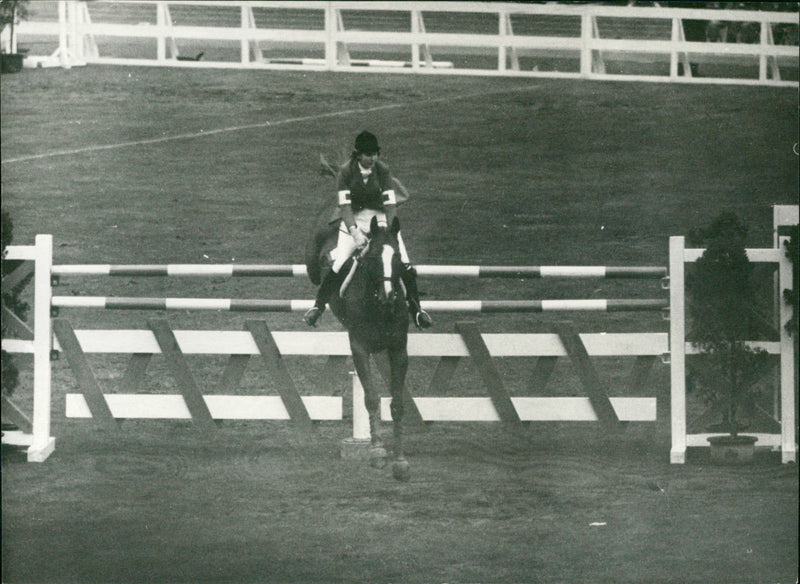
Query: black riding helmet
[367, 143]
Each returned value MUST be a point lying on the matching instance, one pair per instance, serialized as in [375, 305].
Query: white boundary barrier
[78, 34]
[40, 443]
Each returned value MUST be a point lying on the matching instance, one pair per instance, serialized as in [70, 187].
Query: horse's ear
[373, 226]
[395, 226]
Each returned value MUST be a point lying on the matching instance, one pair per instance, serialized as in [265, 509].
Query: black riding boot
[330, 284]
[421, 318]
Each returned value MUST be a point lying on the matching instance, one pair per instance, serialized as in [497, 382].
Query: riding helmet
[367, 143]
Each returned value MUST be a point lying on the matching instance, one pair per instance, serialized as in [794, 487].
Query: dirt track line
[266, 124]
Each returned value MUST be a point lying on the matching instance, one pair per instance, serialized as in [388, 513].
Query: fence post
[586, 51]
[161, 41]
[677, 350]
[244, 43]
[330, 43]
[43, 444]
[762, 58]
[675, 37]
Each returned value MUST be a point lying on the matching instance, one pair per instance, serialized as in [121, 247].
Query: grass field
[134, 165]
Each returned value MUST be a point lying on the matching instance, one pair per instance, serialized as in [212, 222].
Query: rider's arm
[344, 200]
[387, 193]
[348, 218]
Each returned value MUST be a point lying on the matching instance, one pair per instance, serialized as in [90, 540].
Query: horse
[372, 307]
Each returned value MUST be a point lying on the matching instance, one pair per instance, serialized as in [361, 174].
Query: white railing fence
[464, 38]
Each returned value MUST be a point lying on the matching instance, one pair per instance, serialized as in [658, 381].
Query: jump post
[57, 334]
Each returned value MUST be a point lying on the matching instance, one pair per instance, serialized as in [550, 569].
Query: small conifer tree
[721, 308]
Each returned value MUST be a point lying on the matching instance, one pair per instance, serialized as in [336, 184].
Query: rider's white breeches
[346, 245]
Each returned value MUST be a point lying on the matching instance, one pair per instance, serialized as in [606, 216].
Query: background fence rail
[464, 38]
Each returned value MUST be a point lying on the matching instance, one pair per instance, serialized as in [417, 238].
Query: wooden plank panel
[83, 373]
[222, 407]
[491, 378]
[433, 409]
[598, 395]
[182, 374]
[276, 366]
[336, 343]
[530, 409]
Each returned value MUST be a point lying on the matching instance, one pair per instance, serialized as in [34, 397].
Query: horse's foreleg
[371, 397]
[398, 360]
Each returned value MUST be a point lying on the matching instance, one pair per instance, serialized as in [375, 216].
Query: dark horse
[373, 309]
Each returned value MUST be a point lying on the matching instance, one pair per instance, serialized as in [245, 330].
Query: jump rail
[263, 305]
[296, 270]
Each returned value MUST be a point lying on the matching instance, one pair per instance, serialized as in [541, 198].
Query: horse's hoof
[401, 471]
[377, 457]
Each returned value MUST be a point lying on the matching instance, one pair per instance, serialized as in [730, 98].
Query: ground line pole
[360, 414]
[677, 350]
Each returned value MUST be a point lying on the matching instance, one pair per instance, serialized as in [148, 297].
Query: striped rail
[264, 305]
[295, 270]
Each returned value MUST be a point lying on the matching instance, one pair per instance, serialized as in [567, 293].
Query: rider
[365, 190]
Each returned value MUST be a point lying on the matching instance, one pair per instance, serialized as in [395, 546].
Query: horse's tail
[323, 231]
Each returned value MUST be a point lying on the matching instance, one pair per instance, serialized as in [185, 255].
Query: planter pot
[732, 450]
[11, 62]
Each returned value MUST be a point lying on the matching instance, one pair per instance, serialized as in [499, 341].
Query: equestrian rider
[365, 190]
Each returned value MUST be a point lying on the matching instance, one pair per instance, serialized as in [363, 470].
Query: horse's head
[382, 263]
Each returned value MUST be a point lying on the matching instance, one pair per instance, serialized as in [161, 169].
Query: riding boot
[330, 283]
[421, 318]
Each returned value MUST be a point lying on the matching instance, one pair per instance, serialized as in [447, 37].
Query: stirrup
[423, 320]
[312, 315]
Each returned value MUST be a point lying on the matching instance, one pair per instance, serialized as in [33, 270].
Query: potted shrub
[721, 307]
[11, 12]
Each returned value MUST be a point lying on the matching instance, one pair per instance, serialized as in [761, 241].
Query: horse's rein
[353, 268]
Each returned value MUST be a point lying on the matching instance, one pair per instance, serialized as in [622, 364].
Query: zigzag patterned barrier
[240, 346]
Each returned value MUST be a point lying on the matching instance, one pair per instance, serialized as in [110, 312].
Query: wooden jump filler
[596, 390]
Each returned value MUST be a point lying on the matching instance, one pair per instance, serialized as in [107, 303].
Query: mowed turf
[136, 165]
